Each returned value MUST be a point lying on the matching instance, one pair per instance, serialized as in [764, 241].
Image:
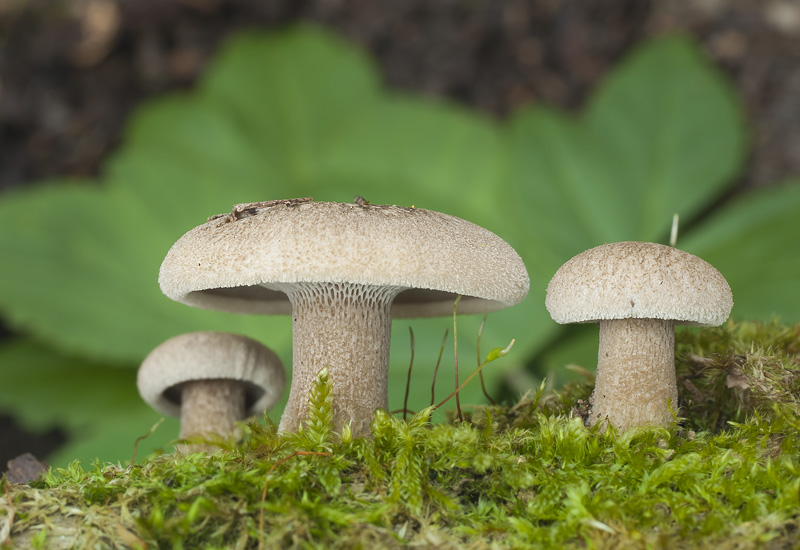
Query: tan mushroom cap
[223, 263]
[210, 356]
[638, 280]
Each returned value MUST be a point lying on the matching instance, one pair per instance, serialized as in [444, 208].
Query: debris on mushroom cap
[224, 263]
[210, 356]
[638, 280]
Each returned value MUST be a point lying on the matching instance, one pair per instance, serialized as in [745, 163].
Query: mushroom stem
[635, 383]
[346, 327]
[210, 407]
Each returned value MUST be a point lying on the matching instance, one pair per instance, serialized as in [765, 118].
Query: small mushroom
[637, 292]
[342, 270]
[211, 380]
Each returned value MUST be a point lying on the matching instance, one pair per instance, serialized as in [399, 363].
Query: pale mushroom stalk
[635, 384]
[211, 407]
[637, 292]
[347, 328]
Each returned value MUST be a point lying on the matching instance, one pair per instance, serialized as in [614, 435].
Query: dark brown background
[72, 70]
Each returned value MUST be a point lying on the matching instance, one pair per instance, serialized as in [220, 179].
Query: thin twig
[143, 437]
[412, 412]
[483, 384]
[408, 380]
[470, 377]
[673, 234]
[455, 357]
[436, 369]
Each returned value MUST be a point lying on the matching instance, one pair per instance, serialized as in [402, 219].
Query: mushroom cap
[210, 356]
[636, 280]
[225, 263]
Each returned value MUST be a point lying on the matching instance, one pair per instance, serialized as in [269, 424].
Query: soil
[72, 70]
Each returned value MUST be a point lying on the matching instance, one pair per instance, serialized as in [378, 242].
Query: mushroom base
[635, 383]
[210, 408]
[347, 328]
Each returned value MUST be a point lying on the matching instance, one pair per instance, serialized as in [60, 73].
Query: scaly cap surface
[638, 280]
[225, 263]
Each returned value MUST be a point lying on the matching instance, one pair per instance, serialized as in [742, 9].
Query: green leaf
[674, 133]
[83, 274]
[442, 158]
[754, 244]
[98, 406]
[293, 93]
[663, 134]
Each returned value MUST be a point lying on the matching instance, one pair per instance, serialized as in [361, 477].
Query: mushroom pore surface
[347, 328]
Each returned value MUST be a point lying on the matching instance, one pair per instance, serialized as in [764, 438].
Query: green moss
[526, 474]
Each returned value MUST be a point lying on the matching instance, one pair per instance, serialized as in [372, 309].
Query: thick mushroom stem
[347, 328]
[635, 383]
[210, 407]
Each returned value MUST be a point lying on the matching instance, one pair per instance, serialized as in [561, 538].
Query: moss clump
[528, 474]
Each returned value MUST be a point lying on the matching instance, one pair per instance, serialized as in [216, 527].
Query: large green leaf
[97, 405]
[83, 274]
[673, 134]
[662, 135]
[755, 244]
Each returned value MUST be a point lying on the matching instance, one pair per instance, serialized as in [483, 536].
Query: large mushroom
[637, 292]
[210, 380]
[342, 271]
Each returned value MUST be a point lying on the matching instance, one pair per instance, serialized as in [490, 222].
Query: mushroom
[637, 292]
[210, 380]
[342, 271]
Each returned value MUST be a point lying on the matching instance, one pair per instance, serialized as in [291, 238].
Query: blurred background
[73, 72]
